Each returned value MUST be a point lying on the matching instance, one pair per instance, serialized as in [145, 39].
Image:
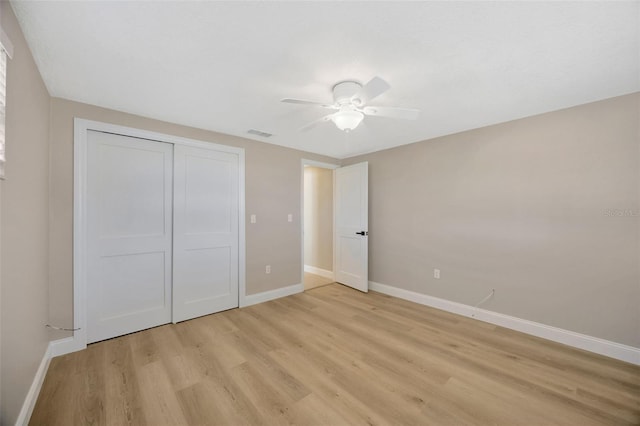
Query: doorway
[317, 223]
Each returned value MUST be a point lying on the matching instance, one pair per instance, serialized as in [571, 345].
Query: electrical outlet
[290, 217]
[267, 269]
[436, 274]
[253, 218]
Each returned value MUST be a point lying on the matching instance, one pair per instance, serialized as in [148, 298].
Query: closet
[162, 240]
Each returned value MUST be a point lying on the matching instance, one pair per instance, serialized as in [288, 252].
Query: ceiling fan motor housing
[343, 91]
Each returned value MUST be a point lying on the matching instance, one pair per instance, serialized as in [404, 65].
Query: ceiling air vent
[259, 133]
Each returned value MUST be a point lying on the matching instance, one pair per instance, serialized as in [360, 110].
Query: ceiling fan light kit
[350, 99]
[347, 120]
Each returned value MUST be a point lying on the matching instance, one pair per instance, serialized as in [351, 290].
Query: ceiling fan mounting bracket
[344, 91]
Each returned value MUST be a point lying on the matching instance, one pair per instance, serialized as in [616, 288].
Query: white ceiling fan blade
[303, 102]
[316, 122]
[372, 89]
[392, 112]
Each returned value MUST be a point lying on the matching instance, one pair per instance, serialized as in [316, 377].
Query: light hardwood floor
[312, 281]
[334, 356]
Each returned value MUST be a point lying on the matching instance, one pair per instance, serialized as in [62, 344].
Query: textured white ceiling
[224, 66]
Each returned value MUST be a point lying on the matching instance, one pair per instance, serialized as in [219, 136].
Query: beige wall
[272, 192]
[23, 227]
[523, 207]
[318, 217]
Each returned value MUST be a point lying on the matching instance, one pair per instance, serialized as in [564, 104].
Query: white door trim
[313, 163]
[81, 128]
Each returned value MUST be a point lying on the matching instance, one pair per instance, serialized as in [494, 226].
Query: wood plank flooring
[312, 281]
[334, 356]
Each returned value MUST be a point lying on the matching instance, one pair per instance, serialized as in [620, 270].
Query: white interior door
[352, 225]
[129, 221]
[205, 253]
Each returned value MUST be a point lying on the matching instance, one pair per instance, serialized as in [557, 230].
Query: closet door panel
[129, 247]
[205, 232]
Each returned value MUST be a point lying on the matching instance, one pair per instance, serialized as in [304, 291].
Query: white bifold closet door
[162, 229]
[205, 246]
[129, 224]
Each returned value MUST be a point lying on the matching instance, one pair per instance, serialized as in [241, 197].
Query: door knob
[362, 233]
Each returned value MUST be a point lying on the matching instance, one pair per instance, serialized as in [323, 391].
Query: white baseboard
[32, 396]
[65, 346]
[265, 296]
[318, 271]
[570, 338]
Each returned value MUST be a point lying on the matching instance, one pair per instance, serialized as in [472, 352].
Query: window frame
[6, 53]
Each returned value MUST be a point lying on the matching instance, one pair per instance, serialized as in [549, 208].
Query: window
[6, 52]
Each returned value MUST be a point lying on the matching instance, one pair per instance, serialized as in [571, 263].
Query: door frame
[313, 163]
[81, 128]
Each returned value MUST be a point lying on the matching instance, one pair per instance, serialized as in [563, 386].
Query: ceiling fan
[350, 100]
